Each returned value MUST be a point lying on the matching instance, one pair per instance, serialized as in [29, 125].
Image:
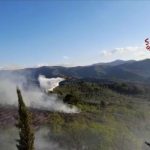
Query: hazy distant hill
[117, 70]
[115, 63]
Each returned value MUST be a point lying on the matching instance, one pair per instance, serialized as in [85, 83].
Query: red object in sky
[147, 44]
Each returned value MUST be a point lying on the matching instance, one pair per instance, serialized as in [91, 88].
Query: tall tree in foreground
[26, 134]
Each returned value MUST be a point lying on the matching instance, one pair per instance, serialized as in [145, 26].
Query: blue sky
[72, 32]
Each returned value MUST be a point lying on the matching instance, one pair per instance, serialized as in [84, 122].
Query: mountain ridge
[136, 71]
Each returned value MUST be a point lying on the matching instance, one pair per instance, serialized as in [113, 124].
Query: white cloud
[127, 53]
[41, 65]
[65, 57]
[11, 67]
[124, 53]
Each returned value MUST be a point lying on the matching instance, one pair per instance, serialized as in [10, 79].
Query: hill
[129, 71]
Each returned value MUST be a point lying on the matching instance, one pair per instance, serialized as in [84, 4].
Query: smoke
[42, 139]
[49, 84]
[7, 138]
[33, 95]
[133, 126]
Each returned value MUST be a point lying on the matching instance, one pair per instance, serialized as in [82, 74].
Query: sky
[70, 33]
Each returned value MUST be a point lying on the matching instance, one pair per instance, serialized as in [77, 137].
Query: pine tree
[26, 134]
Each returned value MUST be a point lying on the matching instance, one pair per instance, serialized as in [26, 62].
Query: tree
[102, 104]
[70, 99]
[26, 134]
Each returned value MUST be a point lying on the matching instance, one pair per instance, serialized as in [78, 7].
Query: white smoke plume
[49, 84]
[33, 96]
[42, 139]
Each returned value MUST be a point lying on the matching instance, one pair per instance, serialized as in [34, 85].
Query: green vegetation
[86, 91]
[108, 119]
[26, 141]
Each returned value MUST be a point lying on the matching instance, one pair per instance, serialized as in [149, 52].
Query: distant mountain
[115, 63]
[136, 71]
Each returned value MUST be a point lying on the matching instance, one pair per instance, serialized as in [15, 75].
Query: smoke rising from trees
[33, 95]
